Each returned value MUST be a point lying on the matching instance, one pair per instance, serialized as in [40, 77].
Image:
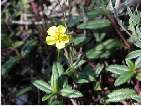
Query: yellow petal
[61, 29]
[50, 40]
[65, 38]
[60, 45]
[52, 30]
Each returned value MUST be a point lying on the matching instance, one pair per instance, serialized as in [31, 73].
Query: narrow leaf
[97, 24]
[130, 65]
[70, 93]
[47, 96]
[138, 62]
[138, 76]
[28, 47]
[134, 54]
[78, 40]
[86, 75]
[103, 50]
[18, 44]
[137, 98]
[6, 67]
[42, 85]
[117, 69]
[121, 95]
[57, 71]
[124, 77]
[24, 90]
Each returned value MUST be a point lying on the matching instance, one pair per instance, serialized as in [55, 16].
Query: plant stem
[73, 102]
[58, 54]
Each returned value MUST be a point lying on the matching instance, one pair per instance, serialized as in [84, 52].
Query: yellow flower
[57, 36]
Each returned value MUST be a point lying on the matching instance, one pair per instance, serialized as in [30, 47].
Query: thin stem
[64, 14]
[73, 102]
[58, 54]
[67, 55]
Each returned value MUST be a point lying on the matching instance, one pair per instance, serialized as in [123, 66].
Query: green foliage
[86, 75]
[70, 93]
[47, 96]
[57, 71]
[42, 85]
[136, 98]
[58, 84]
[17, 44]
[128, 71]
[74, 66]
[103, 50]
[117, 69]
[138, 76]
[120, 95]
[134, 54]
[92, 14]
[138, 62]
[28, 47]
[73, 21]
[89, 73]
[6, 41]
[79, 40]
[97, 46]
[23, 91]
[130, 64]
[98, 24]
[99, 37]
[6, 67]
[134, 27]
[124, 77]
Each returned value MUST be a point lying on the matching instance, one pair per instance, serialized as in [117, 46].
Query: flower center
[59, 36]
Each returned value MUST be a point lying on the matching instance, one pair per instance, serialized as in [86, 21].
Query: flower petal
[50, 40]
[52, 30]
[61, 29]
[65, 38]
[60, 45]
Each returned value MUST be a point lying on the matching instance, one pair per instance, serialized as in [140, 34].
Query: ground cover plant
[71, 52]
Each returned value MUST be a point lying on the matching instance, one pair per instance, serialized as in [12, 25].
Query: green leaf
[42, 85]
[103, 50]
[28, 47]
[47, 96]
[78, 40]
[75, 66]
[92, 14]
[73, 21]
[138, 62]
[137, 98]
[99, 36]
[98, 69]
[54, 100]
[97, 86]
[86, 75]
[70, 93]
[24, 90]
[93, 54]
[134, 54]
[121, 95]
[97, 24]
[6, 67]
[5, 41]
[17, 44]
[138, 76]
[57, 71]
[130, 65]
[117, 69]
[124, 77]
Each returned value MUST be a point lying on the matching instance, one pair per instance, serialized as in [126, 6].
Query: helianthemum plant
[57, 35]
